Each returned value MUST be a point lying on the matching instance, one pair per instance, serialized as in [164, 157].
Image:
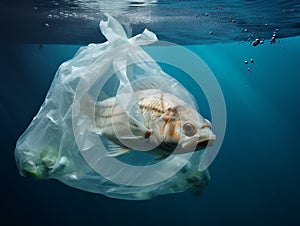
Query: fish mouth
[205, 142]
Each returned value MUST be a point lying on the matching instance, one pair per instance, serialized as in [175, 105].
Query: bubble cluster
[255, 40]
[247, 62]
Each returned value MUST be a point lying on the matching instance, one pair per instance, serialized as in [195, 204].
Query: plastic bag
[62, 143]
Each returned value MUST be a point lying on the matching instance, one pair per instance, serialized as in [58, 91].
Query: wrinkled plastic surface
[58, 142]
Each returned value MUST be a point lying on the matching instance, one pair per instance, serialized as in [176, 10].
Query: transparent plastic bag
[61, 142]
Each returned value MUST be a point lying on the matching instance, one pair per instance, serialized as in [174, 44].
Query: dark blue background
[255, 177]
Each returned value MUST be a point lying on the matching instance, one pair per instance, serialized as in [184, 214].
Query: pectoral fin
[116, 150]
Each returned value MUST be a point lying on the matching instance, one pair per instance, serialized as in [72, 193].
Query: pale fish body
[166, 120]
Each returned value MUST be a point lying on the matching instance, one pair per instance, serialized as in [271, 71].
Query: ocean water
[254, 178]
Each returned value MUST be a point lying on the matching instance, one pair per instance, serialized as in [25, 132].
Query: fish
[160, 123]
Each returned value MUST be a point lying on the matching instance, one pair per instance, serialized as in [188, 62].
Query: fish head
[188, 130]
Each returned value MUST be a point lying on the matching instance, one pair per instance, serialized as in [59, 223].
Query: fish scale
[153, 107]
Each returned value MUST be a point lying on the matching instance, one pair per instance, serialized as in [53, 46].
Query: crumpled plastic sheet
[49, 148]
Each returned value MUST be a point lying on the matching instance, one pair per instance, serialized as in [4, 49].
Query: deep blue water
[255, 177]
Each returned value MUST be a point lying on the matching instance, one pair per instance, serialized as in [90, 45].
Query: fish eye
[189, 129]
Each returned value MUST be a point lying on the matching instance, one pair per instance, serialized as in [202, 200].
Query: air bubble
[256, 42]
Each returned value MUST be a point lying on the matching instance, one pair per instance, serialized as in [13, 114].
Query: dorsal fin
[165, 85]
